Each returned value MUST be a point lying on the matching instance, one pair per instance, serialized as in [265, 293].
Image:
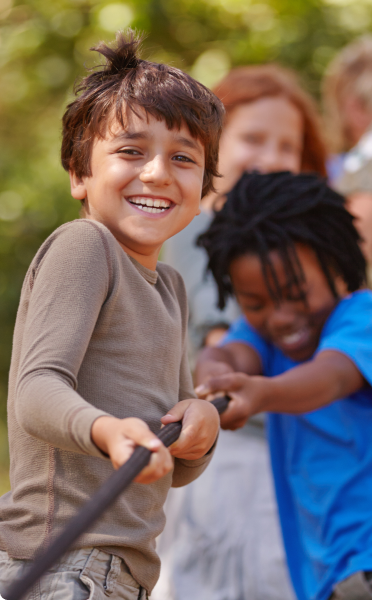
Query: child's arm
[200, 425]
[331, 375]
[230, 358]
[69, 286]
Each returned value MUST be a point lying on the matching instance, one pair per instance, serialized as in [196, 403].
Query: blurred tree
[44, 46]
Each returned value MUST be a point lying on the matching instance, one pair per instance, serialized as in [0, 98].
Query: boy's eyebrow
[143, 135]
[189, 143]
[131, 135]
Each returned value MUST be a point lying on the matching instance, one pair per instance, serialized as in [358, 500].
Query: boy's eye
[130, 151]
[182, 158]
[253, 307]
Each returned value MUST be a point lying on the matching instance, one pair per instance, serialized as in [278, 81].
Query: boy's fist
[200, 425]
[246, 392]
[119, 437]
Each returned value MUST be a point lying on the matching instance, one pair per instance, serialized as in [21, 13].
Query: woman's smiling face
[293, 325]
[265, 135]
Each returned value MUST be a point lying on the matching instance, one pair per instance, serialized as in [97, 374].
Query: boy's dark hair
[162, 91]
[274, 212]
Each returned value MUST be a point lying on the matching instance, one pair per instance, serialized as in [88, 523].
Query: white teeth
[149, 209]
[142, 201]
[292, 338]
[149, 205]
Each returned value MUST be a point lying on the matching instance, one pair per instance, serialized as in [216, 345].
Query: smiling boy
[287, 247]
[99, 354]
[153, 178]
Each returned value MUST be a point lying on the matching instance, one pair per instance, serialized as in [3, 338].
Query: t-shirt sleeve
[241, 331]
[69, 285]
[349, 331]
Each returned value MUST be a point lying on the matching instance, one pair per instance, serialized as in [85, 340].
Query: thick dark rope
[93, 509]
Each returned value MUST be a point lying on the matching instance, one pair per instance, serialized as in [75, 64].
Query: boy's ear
[78, 189]
[341, 286]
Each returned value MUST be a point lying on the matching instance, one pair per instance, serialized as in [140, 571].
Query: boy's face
[294, 326]
[145, 186]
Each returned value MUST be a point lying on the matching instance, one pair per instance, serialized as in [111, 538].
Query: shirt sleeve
[69, 285]
[349, 331]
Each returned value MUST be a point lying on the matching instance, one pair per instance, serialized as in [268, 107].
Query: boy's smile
[293, 325]
[145, 185]
[151, 205]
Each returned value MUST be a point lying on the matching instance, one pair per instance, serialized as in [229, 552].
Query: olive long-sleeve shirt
[96, 334]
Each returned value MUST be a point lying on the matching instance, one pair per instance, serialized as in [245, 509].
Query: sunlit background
[44, 46]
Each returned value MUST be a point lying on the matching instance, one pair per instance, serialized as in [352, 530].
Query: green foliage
[44, 46]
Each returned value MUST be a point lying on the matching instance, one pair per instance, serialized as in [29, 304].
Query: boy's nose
[156, 172]
[282, 319]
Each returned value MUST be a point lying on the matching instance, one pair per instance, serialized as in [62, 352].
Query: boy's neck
[148, 261]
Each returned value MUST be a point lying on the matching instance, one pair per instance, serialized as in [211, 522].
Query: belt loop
[113, 574]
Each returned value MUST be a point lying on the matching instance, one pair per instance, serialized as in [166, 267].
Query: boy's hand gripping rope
[92, 510]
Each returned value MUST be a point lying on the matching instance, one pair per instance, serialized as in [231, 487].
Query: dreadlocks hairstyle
[126, 83]
[274, 212]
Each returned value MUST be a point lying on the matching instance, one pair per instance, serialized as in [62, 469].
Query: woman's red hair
[249, 84]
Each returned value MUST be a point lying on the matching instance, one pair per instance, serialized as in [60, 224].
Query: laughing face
[293, 325]
[145, 186]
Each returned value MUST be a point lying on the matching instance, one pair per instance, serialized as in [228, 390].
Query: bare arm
[328, 377]
[235, 356]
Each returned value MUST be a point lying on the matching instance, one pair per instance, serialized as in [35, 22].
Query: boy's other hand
[119, 437]
[200, 425]
[246, 394]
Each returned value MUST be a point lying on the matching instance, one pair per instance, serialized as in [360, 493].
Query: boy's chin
[300, 354]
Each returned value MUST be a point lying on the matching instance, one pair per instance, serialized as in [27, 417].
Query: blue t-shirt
[322, 460]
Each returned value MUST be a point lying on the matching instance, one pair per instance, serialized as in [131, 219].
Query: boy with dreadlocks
[99, 353]
[287, 248]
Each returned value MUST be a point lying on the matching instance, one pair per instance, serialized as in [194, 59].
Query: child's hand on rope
[246, 394]
[118, 438]
[200, 426]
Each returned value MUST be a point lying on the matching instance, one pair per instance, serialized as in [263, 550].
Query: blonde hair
[349, 72]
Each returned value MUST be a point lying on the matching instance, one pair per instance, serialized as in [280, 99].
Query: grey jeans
[86, 574]
[356, 587]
